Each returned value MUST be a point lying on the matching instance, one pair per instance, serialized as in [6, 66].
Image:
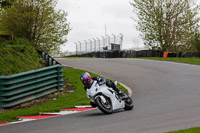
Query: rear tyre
[104, 106]
[128, 104]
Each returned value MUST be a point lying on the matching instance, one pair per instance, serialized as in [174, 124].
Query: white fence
[103, 43]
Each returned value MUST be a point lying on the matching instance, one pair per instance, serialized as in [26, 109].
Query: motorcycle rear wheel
[105, 107]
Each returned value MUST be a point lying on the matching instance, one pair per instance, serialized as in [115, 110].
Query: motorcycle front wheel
[104, 104]
[128, 104]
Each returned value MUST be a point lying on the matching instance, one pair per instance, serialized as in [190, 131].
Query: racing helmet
[85, 78]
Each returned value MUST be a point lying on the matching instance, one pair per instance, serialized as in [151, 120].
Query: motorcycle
[106, 99]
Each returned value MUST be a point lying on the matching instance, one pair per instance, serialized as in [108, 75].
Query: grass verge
[72, 76]
[191, 130]
[195, 61]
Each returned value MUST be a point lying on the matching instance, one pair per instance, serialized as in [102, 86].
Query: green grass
[191, 130]
[195, 61]
[65, 101]
[18, 58]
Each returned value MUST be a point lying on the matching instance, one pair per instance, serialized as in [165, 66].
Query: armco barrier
[122, 54]
[22, 87]
[135, 54]
[48, 59]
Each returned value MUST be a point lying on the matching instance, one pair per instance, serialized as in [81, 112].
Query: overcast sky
[88, 19]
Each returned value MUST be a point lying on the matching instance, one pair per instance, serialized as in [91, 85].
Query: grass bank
[72, 76]
[191, 130]
[18, 56]
[195, 61]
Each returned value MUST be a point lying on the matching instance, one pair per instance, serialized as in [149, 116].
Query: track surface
[166, 97]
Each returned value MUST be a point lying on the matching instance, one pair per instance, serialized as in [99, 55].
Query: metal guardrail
[125, 54]
[22, 87]
[48, 59]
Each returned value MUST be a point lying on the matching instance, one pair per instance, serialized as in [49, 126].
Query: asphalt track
[166, 97]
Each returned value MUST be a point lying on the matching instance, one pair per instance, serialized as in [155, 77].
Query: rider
[88, 81]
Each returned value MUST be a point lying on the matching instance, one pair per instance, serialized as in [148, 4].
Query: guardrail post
[50, 59]
[46, 59]
[54, 62]
[60, 78]
[43, 55]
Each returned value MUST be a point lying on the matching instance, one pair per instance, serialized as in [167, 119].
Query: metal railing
[48, 59]
[22, 87]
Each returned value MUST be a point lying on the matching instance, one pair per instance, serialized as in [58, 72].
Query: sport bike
[106, 99]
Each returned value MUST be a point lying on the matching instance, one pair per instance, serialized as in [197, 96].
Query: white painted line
[26, 119]
[130, 92]
[68, 112]
[63, 112]
[83, 106]
[50, 113]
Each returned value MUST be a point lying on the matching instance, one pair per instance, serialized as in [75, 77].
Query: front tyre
[104, 104]
[93, 104]
[128, 104]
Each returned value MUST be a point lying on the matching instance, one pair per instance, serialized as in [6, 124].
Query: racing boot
[122, 95]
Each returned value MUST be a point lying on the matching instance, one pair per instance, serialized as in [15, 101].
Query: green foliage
[5, 4]
[4, 42]
[37, 21]
[17, 41]
[17, 56]
[167, 24]
[196, 42]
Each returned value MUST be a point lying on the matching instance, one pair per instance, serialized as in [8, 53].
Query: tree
[196, 41]
[37, 21]
[167, 24]
[5, 4]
